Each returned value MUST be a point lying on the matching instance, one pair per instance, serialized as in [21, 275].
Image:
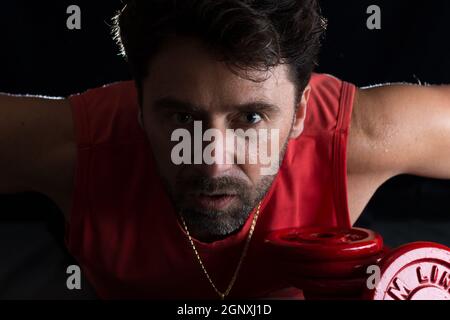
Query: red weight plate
[324, 244]
[417, 271]
[330, 269]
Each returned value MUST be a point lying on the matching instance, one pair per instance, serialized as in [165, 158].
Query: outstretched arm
[36, 145]
[396, 129]
[406, 130]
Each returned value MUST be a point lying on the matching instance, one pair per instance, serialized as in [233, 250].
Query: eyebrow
[173, 103]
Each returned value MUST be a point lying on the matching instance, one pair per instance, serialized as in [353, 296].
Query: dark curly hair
[245, 34]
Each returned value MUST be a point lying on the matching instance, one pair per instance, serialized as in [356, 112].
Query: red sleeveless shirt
[125, 234]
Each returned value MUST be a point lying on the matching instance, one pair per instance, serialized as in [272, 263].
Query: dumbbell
[416, 271]
[333, 263]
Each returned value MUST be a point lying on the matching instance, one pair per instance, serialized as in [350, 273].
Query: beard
[213, 225]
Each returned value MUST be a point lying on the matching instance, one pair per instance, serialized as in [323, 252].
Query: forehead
[184, 69]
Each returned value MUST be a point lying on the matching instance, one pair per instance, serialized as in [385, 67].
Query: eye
[252, 118]
[183, 118]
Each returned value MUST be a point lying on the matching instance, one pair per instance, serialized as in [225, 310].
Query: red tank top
[125, 234]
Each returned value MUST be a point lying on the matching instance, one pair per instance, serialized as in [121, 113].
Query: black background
[39, 55]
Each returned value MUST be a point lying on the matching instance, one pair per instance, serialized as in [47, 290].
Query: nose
[218, 155]
[215, 170]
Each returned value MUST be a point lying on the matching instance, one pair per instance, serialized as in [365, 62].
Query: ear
[141, 119]
[299, 122]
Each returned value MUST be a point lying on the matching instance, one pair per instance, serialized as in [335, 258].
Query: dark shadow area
[408, 209]
[34, 260]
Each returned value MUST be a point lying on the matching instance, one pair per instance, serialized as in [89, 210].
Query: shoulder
[106, 114]
[329, 104]
[398, 128]
[365, 134]
[378, 128]
[326, 86]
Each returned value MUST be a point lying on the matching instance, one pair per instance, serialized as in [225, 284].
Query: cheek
[286, 124]
[157, 133]
[161, 145]
[253, 173]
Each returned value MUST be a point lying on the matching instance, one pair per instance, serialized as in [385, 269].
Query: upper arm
[36, 145]
[402, 129]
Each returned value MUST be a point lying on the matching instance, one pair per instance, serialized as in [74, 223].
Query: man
[147, 218]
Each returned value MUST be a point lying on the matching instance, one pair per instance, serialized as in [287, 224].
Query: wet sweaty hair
[247, 35]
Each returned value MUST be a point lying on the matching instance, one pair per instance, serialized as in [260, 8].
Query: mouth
[213, 201]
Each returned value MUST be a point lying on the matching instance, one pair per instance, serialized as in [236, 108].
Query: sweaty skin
[395, 129]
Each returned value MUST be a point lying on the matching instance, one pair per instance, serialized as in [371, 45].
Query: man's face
[189, 89]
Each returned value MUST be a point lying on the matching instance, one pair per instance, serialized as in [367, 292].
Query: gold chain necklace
[222, 295]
